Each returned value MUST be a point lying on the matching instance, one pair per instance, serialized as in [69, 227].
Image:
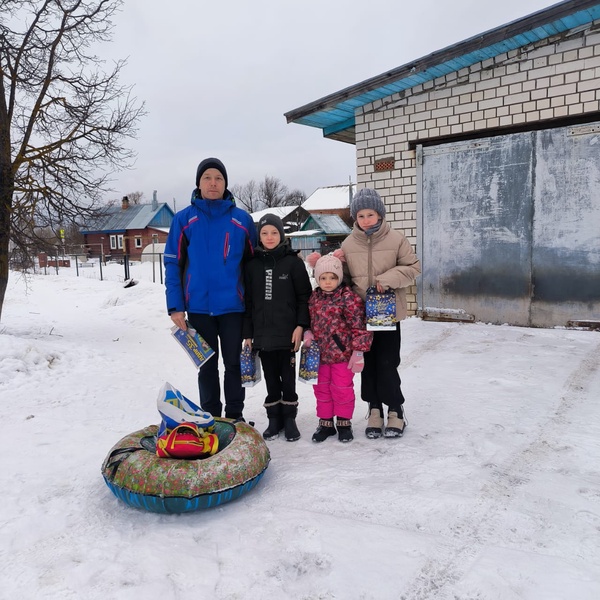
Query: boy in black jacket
[277, 293]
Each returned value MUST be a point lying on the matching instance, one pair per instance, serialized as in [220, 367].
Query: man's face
[212, 184]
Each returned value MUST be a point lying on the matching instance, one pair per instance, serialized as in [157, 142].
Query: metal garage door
[509, 226]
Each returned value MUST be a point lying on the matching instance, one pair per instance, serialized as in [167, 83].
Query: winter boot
[280, 423]
[396, 424]
[324, 430]
[289, 412]
[274, 415]
[374, 428]
[344, 429]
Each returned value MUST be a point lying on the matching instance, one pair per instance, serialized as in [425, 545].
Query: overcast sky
[217, 78]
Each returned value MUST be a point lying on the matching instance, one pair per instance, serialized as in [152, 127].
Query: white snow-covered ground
[492, 493]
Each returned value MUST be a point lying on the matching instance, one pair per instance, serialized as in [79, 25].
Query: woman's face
[367, 217]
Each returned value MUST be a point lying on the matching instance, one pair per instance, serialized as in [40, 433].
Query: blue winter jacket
[207, 245]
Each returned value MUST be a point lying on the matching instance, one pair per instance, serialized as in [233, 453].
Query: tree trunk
[7, 186]
[5, 208]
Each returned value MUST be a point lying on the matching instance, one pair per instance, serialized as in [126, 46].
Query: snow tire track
[466, 536]
[432, 344]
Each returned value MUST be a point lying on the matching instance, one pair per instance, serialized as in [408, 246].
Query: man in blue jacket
[208, 244]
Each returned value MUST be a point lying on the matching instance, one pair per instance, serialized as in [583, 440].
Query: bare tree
[295, 198]
[247, 195]
[272, 192]
[64, 121]
[135, 197]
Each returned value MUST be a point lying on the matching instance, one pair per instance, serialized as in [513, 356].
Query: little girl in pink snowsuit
[338, 326]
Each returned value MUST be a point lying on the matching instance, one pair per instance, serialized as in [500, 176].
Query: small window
[120, 242]
[384, 164]
[155, 238]
[138, 242]
[113, 242]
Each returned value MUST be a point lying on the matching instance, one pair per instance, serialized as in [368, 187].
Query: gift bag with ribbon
[250, 367]
[381, 310]
[186, 431]
[310, 356]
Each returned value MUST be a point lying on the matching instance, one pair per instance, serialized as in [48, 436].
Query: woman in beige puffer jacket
[377, 255]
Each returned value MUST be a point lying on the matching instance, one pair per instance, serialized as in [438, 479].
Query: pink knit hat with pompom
[329, 264]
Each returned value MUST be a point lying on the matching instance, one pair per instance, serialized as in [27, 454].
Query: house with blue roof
[127, 229]
[487, 155]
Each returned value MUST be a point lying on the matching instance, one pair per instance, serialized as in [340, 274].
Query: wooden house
[127, 229]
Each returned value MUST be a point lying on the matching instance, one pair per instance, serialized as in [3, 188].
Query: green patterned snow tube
[141, 479]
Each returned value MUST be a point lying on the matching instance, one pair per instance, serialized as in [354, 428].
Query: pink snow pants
[334, 391]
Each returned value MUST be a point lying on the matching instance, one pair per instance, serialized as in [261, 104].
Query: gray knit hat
[367, 198]
[270, 219]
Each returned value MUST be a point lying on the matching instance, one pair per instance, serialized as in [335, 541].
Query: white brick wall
[552, 79]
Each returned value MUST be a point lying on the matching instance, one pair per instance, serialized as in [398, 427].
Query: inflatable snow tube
[139, 478]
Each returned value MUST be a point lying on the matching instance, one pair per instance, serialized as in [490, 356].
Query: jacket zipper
[369, 267]
[226, 248]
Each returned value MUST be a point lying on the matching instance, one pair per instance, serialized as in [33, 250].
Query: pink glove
[339, 253]
[308, 337]
[312, 259]
[357, 362]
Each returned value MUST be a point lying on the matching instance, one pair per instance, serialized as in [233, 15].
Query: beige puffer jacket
[385, 257]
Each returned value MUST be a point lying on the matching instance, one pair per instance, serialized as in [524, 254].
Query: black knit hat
[211, 163]
[367, 198]
[270, 219]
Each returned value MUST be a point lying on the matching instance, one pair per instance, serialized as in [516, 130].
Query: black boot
[344, 428]
[324, 430]
[289, 412]
[274, 415]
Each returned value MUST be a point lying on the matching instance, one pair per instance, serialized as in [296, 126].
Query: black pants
[226, 329]
[279, 369]
[380, 380]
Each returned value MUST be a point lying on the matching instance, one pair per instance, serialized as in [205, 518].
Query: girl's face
[270, 237]
[328, 282]
[367, 217]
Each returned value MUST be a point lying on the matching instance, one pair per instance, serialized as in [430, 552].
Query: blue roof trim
[339, 126]
[341, 114]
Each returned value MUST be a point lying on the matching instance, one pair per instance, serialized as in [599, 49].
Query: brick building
[127, 229]
[487, 154]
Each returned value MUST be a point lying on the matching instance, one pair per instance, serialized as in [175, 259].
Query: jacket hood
[213, 207]
[227, 195]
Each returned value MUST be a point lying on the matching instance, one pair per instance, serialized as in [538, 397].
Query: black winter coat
[277, 293]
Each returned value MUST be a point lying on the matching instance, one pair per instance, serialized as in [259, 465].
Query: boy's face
[212, 184]
[270, 237]
[367, 217]
[328, 282]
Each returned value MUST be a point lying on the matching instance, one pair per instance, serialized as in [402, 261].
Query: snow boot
[274, 415]
[396, 424]
[374, 428]
[324, 430]
[344, 429]
[289, 412]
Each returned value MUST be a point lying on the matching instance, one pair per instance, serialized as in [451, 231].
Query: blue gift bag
[310, 356]
[381, 310]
